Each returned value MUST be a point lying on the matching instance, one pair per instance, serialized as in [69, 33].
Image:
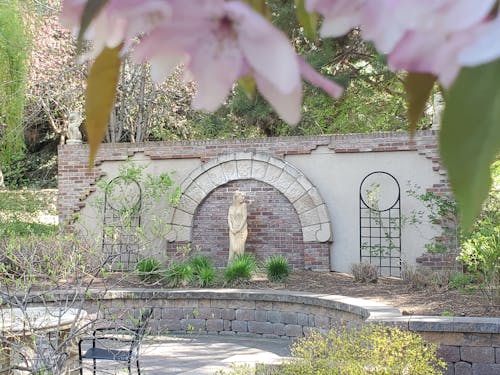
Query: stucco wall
[315, 179]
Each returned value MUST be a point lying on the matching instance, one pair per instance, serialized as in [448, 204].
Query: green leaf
[100, 96]
[418, 88]
[92, 8]
[470, 136]
[309, 21]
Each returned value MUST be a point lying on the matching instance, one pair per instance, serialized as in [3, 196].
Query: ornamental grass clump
[179, 274]
[241, 268]
[364, 272]
[277, 268]
[148, 269]
[204, 273]
[372, 349]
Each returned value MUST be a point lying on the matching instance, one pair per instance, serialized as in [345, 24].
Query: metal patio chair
[103, 337]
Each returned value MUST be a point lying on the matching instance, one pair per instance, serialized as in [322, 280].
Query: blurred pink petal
[340, 15]
[380, 26]
[430, 53]
[318, 80]
[267, 50]
[442, 15]
[215, 67]
[287, 106]
[485, 48]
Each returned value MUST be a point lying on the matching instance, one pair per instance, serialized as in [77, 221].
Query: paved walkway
[205, 354]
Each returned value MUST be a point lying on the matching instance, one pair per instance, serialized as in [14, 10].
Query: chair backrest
[140, 331]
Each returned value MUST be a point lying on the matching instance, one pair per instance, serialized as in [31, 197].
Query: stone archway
[291, 182]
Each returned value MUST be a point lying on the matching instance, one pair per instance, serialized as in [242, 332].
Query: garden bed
[430, 300]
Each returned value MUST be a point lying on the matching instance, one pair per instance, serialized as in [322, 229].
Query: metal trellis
[380, 222]
[122, 220]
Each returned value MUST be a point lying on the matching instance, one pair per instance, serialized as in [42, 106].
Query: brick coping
[370, 311]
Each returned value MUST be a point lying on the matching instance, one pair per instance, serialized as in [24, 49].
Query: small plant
[446, 313]
[373, 349]
[203, 270]
[364, 272]
[148, 269]
[461, 281]
[277, 268]
[199, 262]
[179, 274]
[421, 277]
[206, 276]
[241, 268]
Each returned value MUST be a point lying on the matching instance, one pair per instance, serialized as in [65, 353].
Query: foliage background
[55, 83]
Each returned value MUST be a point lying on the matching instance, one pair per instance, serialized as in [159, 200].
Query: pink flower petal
[266, 49]
[215, 67]
[71, 13]
[316, 79]
[288, 106]
[428, 52]
[379, 25]
[485, 48]
[339, 15]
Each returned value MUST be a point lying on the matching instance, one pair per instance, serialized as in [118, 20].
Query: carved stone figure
[438, 106]
[237, 220]
[74, 136]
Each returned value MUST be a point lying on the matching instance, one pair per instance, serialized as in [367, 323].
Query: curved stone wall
[291, 182]
[238, 311]
[468, 345]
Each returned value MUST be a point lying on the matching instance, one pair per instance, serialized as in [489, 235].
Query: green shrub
[461, 280]
[179, 274]
[277, 268]
[241, 268]
[373, 349]
[17, 228]
[481, 248]
[203, 270]
[148, 269]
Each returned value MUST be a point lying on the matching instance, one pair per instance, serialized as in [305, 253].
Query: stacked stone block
[470, 346]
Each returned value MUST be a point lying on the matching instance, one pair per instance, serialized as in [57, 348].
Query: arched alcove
[263, 171]
[291, 182]
[273, 224]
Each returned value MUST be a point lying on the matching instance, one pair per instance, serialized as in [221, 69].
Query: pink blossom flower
[118, 21]
[419, 35]
[218, 42]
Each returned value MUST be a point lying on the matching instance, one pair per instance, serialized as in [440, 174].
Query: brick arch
[291, 182]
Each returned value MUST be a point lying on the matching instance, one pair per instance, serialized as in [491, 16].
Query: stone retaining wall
[470, 346]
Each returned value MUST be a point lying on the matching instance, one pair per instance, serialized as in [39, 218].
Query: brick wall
[76, 181]
[273, 224]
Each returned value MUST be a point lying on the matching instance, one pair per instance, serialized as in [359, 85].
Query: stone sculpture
[74, 136]
[438, 109]
[237, 221]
